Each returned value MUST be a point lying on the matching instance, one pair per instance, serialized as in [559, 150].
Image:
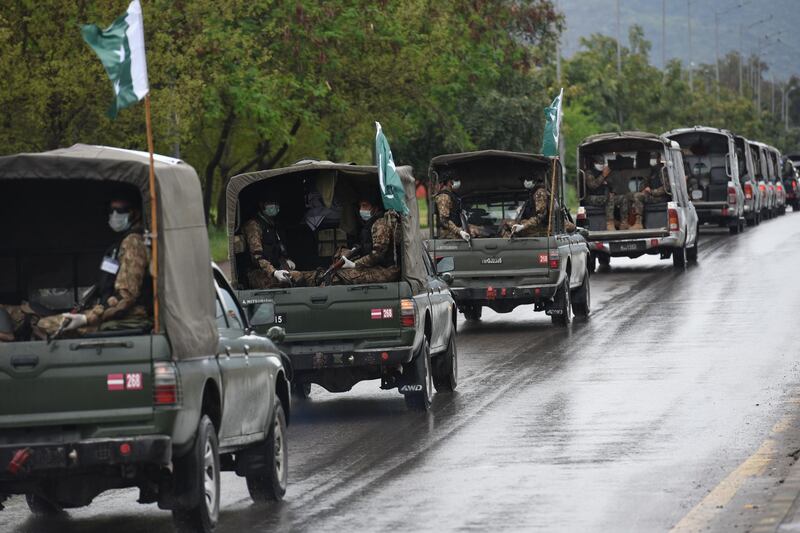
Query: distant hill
[585, 17]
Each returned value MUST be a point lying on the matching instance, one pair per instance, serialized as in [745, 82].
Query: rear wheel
[591, 264]
[691, 253]
[198, 476]
[563, 305]
[419, 392]
[581, 300]
[41, 506]
[270, 483]
[604, 259]
[734, 228]
[445, 373]
[679, 257]
[472, 312]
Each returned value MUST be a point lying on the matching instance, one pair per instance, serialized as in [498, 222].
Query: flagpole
[153, 216]
[552, 197]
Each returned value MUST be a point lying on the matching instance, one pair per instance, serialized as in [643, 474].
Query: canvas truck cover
[489, 169]
[413, 268]
[186, 291]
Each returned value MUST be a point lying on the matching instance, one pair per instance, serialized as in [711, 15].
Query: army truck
[714, 183]
[670, 225]
[162, 411]
[758, 153]
[546, 268]
[401, 332]
[753, 195]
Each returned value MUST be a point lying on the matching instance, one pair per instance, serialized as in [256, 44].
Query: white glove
[464, 235]
[290, 264]
[516, 227]
[282, 276]
[348, 263]
[75, 321]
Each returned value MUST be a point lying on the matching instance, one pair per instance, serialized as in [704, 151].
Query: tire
[198, 474]
[734, 228]
[472, 312]
[679, 257]
[591, 263]
[269, 485]
[42, 507]
[445, 368]
[562, 302]
[582, 299]
[420, 370]
[691, 253]
[604, 259]
[301, 391]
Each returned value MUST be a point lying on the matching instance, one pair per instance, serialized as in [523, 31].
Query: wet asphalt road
[622, 423]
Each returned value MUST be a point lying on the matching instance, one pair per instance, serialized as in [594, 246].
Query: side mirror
[665, 180]
[276, 334]
[445, 264]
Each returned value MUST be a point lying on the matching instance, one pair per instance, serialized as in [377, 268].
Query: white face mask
[456, 184]
[654, 162]
[365, 214]
[599, 167]
[271, 210]
[528, 184]
[119, 222]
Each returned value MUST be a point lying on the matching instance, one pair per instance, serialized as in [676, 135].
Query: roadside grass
[218, 239]
[422, 203]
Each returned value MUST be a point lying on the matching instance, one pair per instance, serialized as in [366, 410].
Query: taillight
[762, 187]
[581, 213]
[166, 386]
[673, 219]
[408, 313]
[554, 259]
[732, 195]
[748, 191]
[794, 185]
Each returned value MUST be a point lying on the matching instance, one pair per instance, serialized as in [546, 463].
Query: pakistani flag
[552, 127]
[120, 48]
[392, 191]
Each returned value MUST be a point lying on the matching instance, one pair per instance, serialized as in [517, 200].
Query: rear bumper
[635, 247]
[491, 296]
[18, 461]
[723, 215]
[327, 357]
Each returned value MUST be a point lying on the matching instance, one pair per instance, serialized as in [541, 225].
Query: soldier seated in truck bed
[120, 298]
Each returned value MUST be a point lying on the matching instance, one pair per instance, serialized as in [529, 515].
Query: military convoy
[165, 406]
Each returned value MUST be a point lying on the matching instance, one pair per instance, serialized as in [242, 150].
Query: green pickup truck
[162, 411]
[402, 332]
[545, 267]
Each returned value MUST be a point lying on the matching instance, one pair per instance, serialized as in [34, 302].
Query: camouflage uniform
[123, 301]
[448, 209]
[378, 263]
[658, 192]
[536, 220]
[262, 276]
[600, 195]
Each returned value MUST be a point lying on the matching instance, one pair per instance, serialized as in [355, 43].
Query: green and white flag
[552, 127]
[392, 191]
[120, 48]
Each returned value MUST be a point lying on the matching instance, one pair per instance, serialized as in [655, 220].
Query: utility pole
[663, 34]
[741, 89]
[772, 75]
[786, 116]
[619, 71]
[689, 19]
[716, 48]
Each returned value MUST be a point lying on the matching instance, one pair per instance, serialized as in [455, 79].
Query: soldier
[532, 217]
[653, 190]
[599, 192]
[270, 263]
[124, 286]
[377, 256]
[449, 212]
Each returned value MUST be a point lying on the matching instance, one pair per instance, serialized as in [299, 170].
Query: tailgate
[355, 312]
[496, 257]
[620, 235]
[74, 381]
